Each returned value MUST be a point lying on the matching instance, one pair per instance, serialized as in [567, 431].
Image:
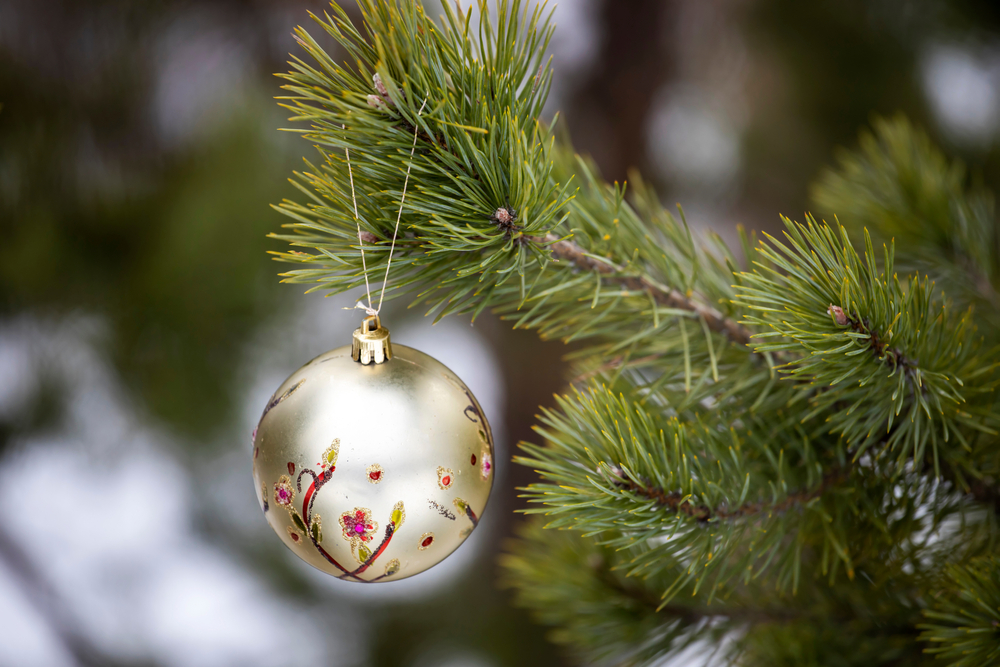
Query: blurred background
[142, 327]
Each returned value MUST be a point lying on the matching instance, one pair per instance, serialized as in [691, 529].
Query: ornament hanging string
[364, 266]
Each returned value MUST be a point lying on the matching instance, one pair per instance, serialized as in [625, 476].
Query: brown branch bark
[569, 251]
[675, 500]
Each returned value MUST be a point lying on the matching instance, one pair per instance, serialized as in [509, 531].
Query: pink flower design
[358, 524]
[284, 494]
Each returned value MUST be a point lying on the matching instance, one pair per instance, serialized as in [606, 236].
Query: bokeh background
[142, 327]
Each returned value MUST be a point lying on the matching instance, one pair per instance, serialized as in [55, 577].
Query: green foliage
[608, 463]
[966, 619]
[577, 587]
[760, 455]
[893, 340]
[483, 147]
[901, 187]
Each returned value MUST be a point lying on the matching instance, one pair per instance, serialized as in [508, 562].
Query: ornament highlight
[382, 440]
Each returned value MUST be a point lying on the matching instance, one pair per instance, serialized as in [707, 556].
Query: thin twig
[675, 500]
[664, 296]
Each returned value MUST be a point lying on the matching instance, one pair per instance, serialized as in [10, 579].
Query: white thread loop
[368, 309]
[364, 266]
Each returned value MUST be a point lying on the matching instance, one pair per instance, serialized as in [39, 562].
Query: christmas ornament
[373, 462]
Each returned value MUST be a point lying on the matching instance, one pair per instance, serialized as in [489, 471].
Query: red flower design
[358, 525]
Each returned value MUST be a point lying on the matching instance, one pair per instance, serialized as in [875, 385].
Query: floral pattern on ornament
[375, 473]
[330, 455]
[284, 494]
[358, 525]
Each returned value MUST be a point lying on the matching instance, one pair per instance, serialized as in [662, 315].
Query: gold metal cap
[371, 342]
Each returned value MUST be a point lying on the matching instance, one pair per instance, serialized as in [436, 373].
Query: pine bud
[368, 237]
[838, 314]
[375, 102]
[503, 216]
[380, 87]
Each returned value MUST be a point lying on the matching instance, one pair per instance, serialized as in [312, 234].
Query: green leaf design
[398, 515]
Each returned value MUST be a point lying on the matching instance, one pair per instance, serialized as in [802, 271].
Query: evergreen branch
[899, 186]
[563, 249]
[611, 466]
[489, 211]
[933, 399]
[675, 501]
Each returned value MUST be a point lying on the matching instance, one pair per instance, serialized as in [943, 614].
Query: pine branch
[899, 186]
[945, 394]
[563, 249]
[676, 501]
[612, 466]
[493, 200]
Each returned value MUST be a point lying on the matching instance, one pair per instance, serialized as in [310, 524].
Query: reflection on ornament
[409, 414]
[487, 466]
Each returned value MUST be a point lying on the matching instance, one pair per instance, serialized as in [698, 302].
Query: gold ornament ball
[373, 472]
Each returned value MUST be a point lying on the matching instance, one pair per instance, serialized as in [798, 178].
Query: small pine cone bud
[375, 102]
[838, 315]
[502, 215]
[368, 237]
[380, 87]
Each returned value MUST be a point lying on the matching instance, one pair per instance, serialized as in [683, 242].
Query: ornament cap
[371, 342]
